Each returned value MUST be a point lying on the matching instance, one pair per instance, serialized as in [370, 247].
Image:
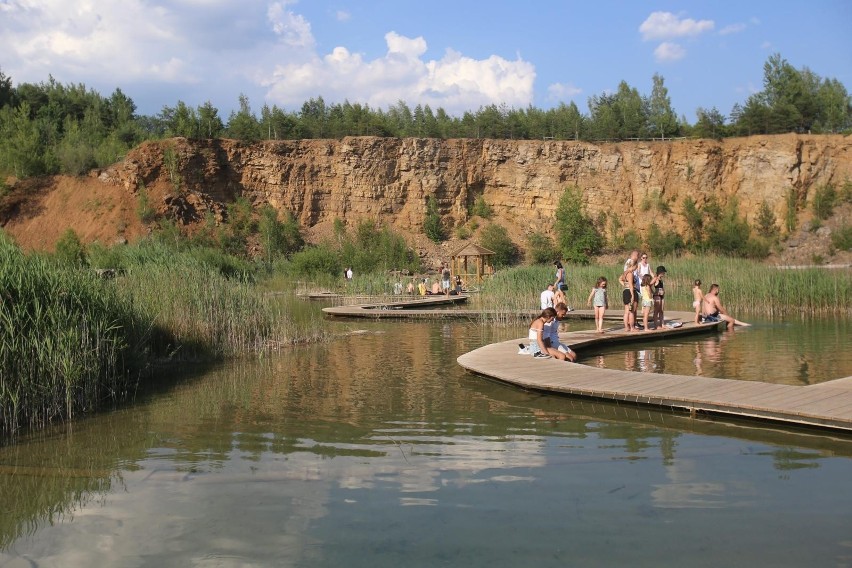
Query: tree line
[49, 127]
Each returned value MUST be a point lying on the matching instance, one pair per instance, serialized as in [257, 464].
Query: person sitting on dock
[436, 288]
[421, 287]
[713, 311]
[536, 334]
[554, 348]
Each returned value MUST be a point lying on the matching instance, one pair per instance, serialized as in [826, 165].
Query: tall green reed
[747, 286]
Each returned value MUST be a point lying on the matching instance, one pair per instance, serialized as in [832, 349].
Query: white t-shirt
[547, 299]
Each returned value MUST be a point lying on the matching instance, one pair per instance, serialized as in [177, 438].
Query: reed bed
[64, 340]
[746, 287]
[70, 341]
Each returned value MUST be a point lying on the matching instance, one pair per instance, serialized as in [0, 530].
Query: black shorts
[627, 296]
[547, 342]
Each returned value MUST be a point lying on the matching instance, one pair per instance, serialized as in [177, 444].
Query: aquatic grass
[747, 286]
[71, 341]
[64, 337]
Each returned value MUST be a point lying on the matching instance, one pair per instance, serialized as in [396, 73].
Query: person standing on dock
[559, 285]
[598, 297]
[445, 279]
[628, 293]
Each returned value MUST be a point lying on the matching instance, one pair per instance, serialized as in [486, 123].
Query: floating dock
[419, 307]
[825, 405]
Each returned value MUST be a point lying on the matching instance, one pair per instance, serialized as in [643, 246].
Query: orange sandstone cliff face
[390, 179]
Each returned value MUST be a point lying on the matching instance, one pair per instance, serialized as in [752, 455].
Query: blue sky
[457, 54]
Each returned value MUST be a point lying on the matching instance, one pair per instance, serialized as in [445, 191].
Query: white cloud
[561, 92]
[292, 28]
[766, 45]
[732, 29]
[668, 52]
[665, 25]
[342, 16]
[455, 82]
[197, 50]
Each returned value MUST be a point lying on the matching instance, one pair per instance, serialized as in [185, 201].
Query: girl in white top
[536, 336]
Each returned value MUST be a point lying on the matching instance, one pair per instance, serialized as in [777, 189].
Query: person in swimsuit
[647, 300]
[659, 298]
[628, 293]
[599, 298]
[713, 310]
[697, 299]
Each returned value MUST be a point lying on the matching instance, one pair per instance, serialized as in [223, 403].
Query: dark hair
[558, 264]
[547, 313]
[697, 282]
[601, 280]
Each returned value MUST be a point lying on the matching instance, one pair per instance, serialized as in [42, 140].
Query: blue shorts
[711, 319]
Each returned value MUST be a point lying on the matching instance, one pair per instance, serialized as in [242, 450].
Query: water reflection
[379, 450]
[793, 353]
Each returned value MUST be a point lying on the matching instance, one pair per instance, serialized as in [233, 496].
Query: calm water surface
[796, 352]
[380, 451]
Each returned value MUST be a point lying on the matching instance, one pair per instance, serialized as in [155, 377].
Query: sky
[457, 55]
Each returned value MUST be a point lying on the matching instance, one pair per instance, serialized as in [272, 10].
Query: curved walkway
[824, 405]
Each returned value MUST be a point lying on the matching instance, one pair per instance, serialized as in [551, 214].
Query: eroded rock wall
[390, 179]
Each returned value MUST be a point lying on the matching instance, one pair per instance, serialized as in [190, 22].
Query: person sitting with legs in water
[551, 337]
[714, 311]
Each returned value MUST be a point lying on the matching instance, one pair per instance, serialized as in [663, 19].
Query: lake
[378, 450]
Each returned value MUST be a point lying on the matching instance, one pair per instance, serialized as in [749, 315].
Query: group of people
[642, 288]
[447, 285]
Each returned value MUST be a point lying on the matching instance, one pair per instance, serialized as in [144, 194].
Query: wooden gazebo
[473, 263]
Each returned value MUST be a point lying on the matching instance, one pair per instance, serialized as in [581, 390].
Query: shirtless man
[712, 309]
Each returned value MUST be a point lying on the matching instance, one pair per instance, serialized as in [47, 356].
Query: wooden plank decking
[824, 405]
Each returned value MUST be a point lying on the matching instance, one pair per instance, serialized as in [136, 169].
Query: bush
[315, 261]
[540, 249]
[496, 238]
[432, 225]
[694, 222]
[579, 239]
[729, 235]
[842, 238]
[70, 250]
[765, 222]
[664, 243]
[825, 197]
[481, 208]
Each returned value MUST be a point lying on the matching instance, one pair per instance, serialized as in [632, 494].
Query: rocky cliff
[390, 179]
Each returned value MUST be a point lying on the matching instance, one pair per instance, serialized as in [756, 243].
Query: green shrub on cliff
[578, 237]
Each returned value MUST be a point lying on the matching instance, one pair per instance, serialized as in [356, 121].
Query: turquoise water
[378, 450]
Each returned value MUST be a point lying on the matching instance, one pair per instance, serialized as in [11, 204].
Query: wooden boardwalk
[824, 405]
[420, 307]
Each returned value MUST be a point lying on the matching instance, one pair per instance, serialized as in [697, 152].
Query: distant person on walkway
[459, 284]
[445, 279]
[547, 297]
[697, 299]
[421, 287]
[349, 273]
[410, 288]
[560, 286]
[714, 311]
[659, 298]
[598, 299]
[628, 293]
[554, 347]
[536, 332]
[436, 288]
[633, 260]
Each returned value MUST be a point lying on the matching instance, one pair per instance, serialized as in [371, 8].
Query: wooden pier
[825, 405]
[434, 306]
